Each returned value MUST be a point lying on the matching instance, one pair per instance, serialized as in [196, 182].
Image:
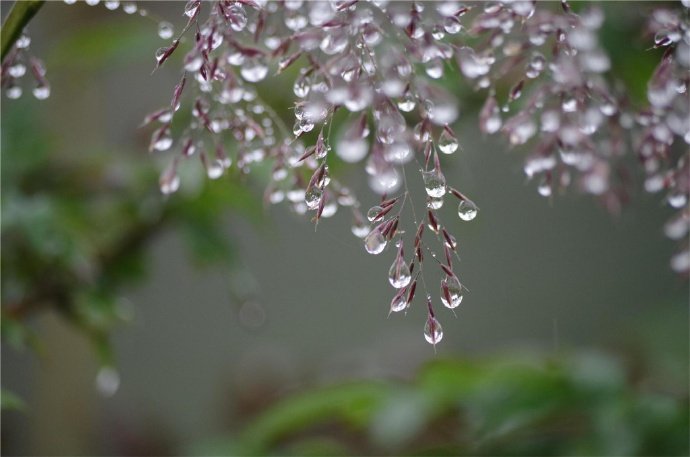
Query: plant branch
[20, 15]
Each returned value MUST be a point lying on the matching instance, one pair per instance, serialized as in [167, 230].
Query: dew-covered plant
[380, 68]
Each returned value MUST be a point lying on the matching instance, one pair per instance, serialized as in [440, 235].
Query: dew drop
[41, 92]
[312, 197]
[447, 142]
[17, 70]
[112, 5]
[544, 188]
[434, 203]
[254, 70]
[373, 213]
[399, 274]
[399, 302]
[434, 183]
[165, 30]
[107, 381]
[433, 332]
[13, 92]
[407, 102]
[467, 210]
[375, 242]
[129, 7]
[23, 42]
[451, 292]
[360, 229]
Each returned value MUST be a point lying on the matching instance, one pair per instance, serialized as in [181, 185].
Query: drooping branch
[20, 15]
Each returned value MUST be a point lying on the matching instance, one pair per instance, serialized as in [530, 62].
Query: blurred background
[204, 323]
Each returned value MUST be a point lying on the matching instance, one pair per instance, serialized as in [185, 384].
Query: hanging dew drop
[312, 197]
[451, 292]
[433, 332]
[467, 210]
[41, 92]
[434, 183]
[399, 274]
[447, 142]
[434, 203]
[375, 242]
[165, 30]
[399, 303]
[360, 230]
[373, 213]
[107, 381]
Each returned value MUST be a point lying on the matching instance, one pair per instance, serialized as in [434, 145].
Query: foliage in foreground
[576, 404]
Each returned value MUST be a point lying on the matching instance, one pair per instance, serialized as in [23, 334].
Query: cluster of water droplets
[663, 136]
[19, 66]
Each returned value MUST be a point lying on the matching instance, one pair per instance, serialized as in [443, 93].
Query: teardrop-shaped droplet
[467, 210]
[407, 102]
[165, 30]
[433, 332]
[169, 181]
[544, 188]
[313, 196]
[451, 292]
[447, 142]
[375, 242]
[373, 213]
[399, 274]
[214, 169]
[399, 302]
[434, 183]
[42, 92]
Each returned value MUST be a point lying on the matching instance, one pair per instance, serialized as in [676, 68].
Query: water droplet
[434, 183]
[23, 42]
[312, 197]
[107, 381]
[399, 302]
[351, 148]
[17, 70]
[13, 92]
[191, 7]
[434, 68]
[112, 5]
[129, 7]
[544, 188]
[407, 102]
[165, 30]
[375, 242]
[41, 92]
[92, 2]
[399, 274]
[434, 203]
[254, 70]
[447, 142]
[360, 229]
[433, 332]
[169, 181]
[373, 213]
[677, 199]
[467, 210]
[451, 292]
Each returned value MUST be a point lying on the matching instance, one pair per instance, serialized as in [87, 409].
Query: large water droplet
[451, 292]
[447, 142]
[312, 197]
[434, 183]
[165, 30]
[399, 302]
[433, 332]
[467, 210]
[399, 273]
[375, 242]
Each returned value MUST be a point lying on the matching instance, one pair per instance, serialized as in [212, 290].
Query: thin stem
[20, 15]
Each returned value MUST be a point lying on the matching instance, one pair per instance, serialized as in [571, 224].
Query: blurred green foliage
[574, 404]
[75, 228]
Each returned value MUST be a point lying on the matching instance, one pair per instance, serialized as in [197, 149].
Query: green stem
[20, 15]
